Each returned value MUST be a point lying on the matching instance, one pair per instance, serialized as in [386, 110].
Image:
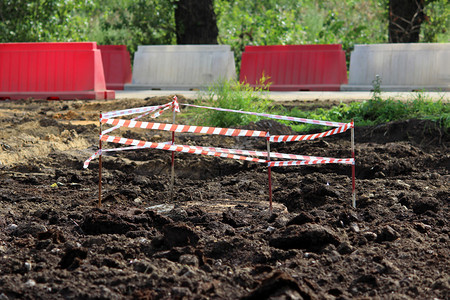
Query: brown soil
[216, 238]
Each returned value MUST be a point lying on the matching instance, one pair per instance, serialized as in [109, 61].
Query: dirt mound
[419, 132]
[216, 237]
[271, 126]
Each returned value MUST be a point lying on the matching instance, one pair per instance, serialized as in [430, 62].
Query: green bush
[285, 22]
[377, 111]
[232, 94]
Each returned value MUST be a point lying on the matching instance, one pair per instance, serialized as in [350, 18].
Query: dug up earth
[214, 237]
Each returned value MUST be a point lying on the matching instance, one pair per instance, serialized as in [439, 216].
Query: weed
[233, 94]
[239, 96]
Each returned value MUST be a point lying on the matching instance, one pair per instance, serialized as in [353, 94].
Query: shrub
[232, 94]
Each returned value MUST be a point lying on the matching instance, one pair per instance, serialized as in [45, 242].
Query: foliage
[232, 94]
[269, 22]
[238, 96]
[240, 22]
[49, 21]
[378, 111]
[437, 23]
[134, 22]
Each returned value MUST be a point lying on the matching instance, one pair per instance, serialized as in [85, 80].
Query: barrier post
[353, 165]
[172, 176]
[100, 164]
[269, 172]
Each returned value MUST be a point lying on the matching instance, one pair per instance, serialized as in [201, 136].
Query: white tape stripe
[301, 120]
[126, 112]
[205, 130]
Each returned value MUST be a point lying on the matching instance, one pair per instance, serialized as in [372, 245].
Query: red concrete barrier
[295, 67]
[52, 71]
[117, 66]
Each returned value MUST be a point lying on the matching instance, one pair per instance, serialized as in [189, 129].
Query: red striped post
[100, 164]
[353, 166]
[172, 176]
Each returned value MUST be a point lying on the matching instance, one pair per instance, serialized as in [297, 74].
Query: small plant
[233, 94]
[376, 91]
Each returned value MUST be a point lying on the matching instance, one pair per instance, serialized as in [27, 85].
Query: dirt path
[216, 239]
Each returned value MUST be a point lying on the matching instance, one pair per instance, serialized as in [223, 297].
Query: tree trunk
[405, 17]
[196, 22]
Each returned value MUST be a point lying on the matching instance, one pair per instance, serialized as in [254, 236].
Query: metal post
[172, 177]
[100, 164]
[269, 173]
[353, 166]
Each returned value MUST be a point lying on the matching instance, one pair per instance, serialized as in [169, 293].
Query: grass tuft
[232, 94]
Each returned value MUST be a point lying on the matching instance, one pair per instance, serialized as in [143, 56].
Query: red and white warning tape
[305, 137]
[169, 147]
[132, 111]
[174, 104]
[221, 152]
[261, 153]
[125, 112]
[87, 161]
[184, 128]
[278, 117]
[155, 115]
[99, 152]
[349, 161]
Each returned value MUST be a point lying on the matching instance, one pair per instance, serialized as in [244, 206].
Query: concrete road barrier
[402, 67]
[181, 66]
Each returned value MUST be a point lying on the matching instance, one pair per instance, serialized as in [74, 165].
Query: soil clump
[216, 238]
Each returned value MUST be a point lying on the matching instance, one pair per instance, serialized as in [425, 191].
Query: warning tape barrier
[169, 147]
[248, 155]
[307, 137]
[239, 154]
[184, 128]
[131, 111]
[214, 151]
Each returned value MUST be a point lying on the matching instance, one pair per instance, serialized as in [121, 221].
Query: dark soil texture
[215, 238]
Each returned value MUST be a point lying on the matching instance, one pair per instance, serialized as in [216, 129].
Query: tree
[195, 22]
[44, 21]
[405, 18]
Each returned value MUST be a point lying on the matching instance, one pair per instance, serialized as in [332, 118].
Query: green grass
[378, 111]
[231, 94]
[238, 96]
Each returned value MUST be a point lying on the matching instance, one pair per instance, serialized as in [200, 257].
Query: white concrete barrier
[182, 67]
[402, 67]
